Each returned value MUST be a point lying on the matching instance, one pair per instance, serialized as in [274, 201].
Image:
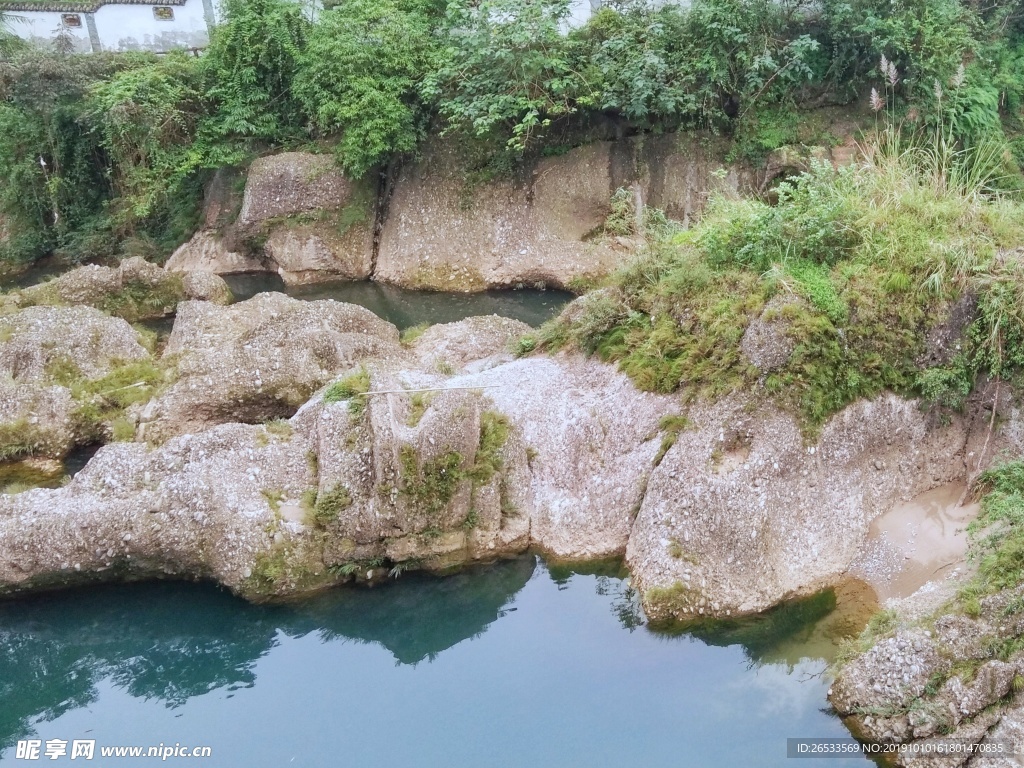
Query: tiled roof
[76, 6]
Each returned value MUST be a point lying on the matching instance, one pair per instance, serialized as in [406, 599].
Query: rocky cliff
[367, 455]
[442, 224]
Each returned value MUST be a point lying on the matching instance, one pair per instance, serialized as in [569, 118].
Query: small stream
[406, 308]
[512, 664]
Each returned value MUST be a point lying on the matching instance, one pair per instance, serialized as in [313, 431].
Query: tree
[251, 63]
[360, 74]
[508, 68]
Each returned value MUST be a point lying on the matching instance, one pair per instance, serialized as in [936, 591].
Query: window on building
[71, 20]
[163, 13]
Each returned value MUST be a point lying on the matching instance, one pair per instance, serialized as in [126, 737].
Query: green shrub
[359, 74]
[877, 251]
[494, 432]
[430, 485]
[351, 388]
[328, 505]
[251, 66]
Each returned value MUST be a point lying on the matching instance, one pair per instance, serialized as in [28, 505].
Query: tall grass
[867, 259]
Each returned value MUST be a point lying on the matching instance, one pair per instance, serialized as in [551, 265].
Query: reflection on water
[508, 664]
[16, 476]
[794, 631]
[405, 308]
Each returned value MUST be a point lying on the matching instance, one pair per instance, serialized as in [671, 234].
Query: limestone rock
[889, 676]
[290, 183]
[284, 508]
[1009, 730]
[41, 349]
[37, 420]
[765, 342]
[740, 513]
[591, 436]
[479, 342]
[36, 339]
[259, 359]
[313, 222]
[510, 234]
[307, 253]
[208, 251]
[135, 290]
[206, 286]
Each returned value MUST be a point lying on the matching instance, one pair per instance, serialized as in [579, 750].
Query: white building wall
[120, 26]
[134, 27]
[42, 27]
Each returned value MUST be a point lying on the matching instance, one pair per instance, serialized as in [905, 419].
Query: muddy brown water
[917, 541]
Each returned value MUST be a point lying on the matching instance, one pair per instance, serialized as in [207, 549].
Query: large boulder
[134, 290]
[441, 235]
[299, 217]
[313, 222]
[743, 512]
[444, 232]
[258, 359]
[476, 342]
[591, 437]
[209, 251]
[942, 675]
[340, 492]
[44, 353]
[293, 183]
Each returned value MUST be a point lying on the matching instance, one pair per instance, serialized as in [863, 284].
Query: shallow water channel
[512, 664]
[405, 307]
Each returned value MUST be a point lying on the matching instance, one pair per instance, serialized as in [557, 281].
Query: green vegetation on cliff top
[108, 154]
[860, 264]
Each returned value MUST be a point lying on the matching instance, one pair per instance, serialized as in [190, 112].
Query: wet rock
[945, 336]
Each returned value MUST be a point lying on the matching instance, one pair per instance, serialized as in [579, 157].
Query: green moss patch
[877, 253]
[351, 388]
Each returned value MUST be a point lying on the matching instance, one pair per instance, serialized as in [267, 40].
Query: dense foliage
[105, 154]
[848, 271]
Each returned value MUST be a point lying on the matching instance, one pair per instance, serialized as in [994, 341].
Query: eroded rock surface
[258, 359]
[42, 350]
[742, 513]
[209, 251]
[727, 511]
[315, 223]
[134, 290]
[925, 681]
[444, 232]
[339, 492]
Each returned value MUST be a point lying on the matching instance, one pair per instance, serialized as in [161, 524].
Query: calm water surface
[509, 665]
[404, 307]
